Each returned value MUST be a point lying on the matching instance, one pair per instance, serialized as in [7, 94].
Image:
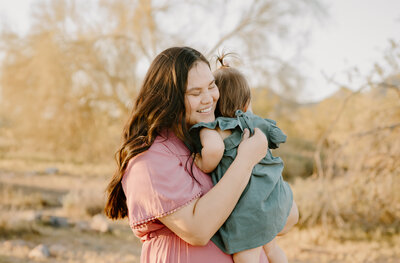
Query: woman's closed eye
[212, 86]
[194, 93]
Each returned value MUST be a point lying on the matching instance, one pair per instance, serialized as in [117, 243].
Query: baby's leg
[274, 253]
[293, 218]
[248, 255]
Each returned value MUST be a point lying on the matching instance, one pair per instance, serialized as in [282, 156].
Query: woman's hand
[254, 148]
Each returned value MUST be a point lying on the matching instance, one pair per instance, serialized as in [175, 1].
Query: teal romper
[265, 203]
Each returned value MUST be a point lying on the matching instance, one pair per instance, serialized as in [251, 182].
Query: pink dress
[157, 183]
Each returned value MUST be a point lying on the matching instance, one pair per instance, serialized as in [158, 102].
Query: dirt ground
[32, 197]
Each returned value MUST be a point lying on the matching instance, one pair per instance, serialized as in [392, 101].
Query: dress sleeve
[275, 135]
[156, 184]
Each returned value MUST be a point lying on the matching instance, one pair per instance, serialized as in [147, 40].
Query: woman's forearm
[197, 222]
[212, 209]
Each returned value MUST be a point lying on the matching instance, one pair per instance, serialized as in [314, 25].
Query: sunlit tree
[70, 81]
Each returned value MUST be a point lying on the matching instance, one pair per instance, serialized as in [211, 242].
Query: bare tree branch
[328, 131]
[389, 86]
[375, 130]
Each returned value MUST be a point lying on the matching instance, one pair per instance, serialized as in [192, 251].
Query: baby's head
[233, 88]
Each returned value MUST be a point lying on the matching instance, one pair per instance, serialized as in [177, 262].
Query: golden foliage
[68, 84]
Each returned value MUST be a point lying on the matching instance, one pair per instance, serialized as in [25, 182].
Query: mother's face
[201, 95]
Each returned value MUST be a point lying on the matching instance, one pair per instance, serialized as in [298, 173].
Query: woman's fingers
[253, 148]
[261, 137]
[261, 142]
[246, 134]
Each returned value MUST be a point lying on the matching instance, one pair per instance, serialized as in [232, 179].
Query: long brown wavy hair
[159, 105]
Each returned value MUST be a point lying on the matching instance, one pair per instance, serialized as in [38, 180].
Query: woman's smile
[206, 110]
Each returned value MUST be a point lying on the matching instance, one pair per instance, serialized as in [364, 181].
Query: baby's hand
[197, 160]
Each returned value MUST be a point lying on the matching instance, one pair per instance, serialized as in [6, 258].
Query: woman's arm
[197, 222]
[212, 151]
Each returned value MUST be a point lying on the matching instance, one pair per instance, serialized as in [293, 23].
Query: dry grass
[83, 203]
[364, 206]
[320, 245]
[18, 198]
[36, 162]
[13, 227]
[82, 196]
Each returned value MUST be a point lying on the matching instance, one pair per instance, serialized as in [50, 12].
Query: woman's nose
[206, 98]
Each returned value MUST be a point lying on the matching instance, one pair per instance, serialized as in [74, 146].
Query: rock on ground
[39, 252]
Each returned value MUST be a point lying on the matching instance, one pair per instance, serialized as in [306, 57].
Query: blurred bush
[357, 186]
[83, 203]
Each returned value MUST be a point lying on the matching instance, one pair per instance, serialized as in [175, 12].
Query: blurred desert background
[68, 81]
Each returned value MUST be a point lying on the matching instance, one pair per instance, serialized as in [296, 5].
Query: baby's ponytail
[221, 59]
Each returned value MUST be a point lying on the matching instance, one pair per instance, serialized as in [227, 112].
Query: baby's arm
[212, 151]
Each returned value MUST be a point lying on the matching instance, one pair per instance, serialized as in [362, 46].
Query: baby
[266, 208]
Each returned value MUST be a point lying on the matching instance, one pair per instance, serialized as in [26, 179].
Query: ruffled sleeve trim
[224, 123]
[140, 223]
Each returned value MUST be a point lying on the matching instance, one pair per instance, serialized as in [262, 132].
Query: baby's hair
[233, 88]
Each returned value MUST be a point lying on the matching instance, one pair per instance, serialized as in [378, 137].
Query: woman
[171, 204]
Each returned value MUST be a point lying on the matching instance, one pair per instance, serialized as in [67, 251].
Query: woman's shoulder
[167, 143]
[166, 153]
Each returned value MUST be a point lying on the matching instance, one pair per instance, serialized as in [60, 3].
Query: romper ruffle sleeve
[275, 135]
[243, 120]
